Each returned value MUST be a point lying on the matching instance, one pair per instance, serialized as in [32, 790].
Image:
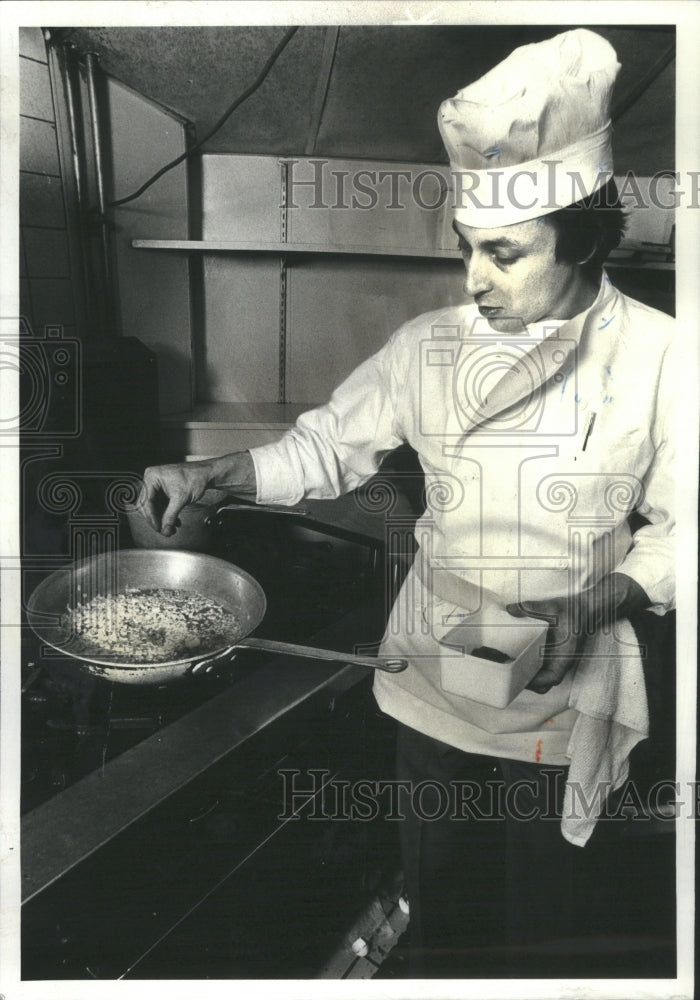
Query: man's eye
[500, 259]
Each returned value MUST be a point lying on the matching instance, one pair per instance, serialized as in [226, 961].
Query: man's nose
[477, 280]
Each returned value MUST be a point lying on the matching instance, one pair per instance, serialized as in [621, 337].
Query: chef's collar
[573, 328]
[533, 366]
[569, 328]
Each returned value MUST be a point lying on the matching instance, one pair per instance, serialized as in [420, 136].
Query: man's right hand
[180, 484]
[185, 482]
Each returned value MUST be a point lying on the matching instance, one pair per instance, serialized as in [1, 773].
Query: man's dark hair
[590, 229]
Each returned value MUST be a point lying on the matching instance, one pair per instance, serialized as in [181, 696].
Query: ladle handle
[391, 664]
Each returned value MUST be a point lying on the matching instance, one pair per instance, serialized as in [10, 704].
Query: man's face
[514, 277]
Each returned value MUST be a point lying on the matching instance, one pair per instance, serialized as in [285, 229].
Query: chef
[540, 412]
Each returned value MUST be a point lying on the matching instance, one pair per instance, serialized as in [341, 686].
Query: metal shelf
[233, 246]
[225, 246]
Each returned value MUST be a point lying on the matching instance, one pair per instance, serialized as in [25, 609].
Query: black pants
[494, 888]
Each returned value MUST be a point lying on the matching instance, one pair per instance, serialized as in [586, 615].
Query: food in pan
[153, 625]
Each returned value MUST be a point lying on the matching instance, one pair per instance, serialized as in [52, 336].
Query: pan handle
[204, 666]
[391, 664]
[217, 510]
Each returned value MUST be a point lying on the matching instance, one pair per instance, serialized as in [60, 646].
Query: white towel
[609, 693]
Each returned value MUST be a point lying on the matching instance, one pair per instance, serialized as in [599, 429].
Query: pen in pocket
[589, 430]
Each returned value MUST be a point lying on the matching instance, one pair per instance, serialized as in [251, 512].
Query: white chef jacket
[535, 450]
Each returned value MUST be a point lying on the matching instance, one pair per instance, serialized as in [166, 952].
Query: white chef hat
[534, 134]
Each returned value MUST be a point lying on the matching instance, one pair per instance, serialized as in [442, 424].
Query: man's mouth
[489, 310]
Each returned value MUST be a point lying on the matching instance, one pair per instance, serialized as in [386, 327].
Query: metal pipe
[69, 70]
[69, 84]
[92, 65]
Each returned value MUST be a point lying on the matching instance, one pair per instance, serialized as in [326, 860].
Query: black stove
[151, 829]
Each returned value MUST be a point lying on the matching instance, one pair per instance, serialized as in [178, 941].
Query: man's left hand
[572, 619]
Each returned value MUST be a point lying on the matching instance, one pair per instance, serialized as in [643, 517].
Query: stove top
[74, 723]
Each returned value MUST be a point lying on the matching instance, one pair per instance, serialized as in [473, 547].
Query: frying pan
[213, 579]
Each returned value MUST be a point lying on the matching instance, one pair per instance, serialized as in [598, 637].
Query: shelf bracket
[282, 332]
[282, 347]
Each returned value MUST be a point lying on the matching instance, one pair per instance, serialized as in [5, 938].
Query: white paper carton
[480, 678]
